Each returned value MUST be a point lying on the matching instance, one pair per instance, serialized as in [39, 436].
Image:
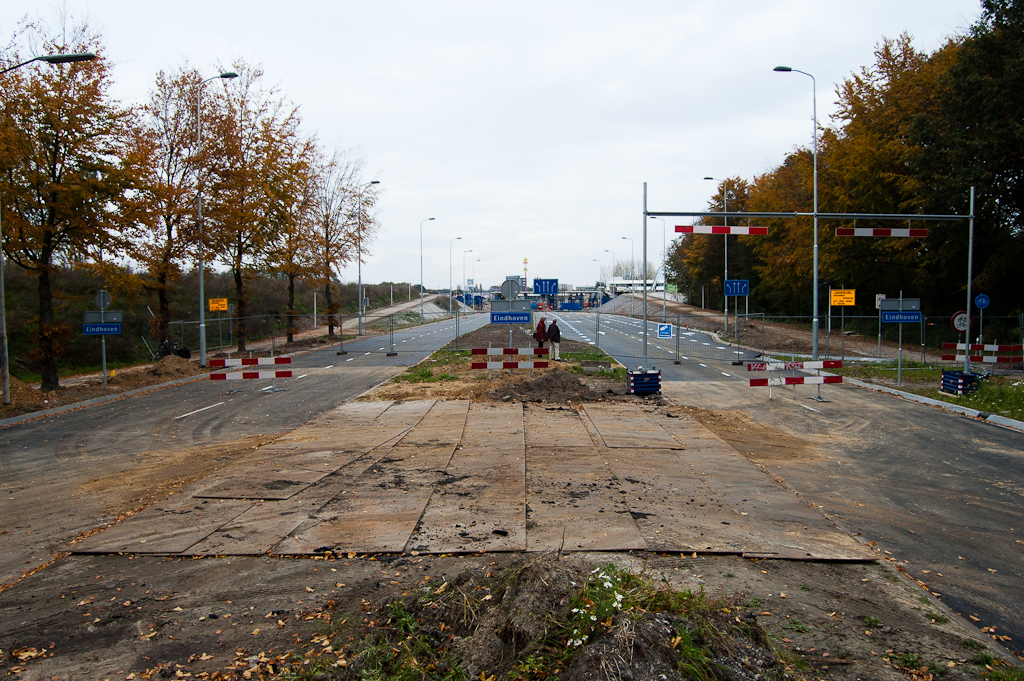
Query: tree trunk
[240, 319]
[46, 345]
[163, 307]
[330, 310]
[291, 308]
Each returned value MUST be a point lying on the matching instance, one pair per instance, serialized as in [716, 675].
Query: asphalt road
[938, 493]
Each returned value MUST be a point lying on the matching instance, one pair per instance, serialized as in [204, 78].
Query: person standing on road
[541, 334]
[555, 336]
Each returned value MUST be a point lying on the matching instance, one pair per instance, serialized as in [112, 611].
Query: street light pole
[421, 267]
[632, 276]
[725, 209]
[814, 96]
[475, 284]
[359, 251]
[464, 284]
[199, 211]
[450, 272]
[664, 272]
[5, 376]
[611, 285]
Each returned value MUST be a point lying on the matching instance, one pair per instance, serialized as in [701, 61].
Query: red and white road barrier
[509, 351]
[795, 380]
[249, 361]
[782, 366]
[984, 359]
[508, 365]
[236, 375]
[720, 229]
[881, 231]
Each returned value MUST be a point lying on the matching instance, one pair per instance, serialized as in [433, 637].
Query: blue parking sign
[664, 331]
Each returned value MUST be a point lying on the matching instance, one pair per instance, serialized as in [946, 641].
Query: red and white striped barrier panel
[881, 231]
[782, 366]
[236, 375]
[508, 365]
[720, 229]
[249, 361]
[509, 351]
[984, 359]
[795, 380]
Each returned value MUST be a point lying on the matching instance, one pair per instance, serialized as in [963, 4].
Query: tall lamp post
[475, 284]
[814, 100]
[199, 211]
[464, 284]
[632, 276]
[725, 209]
[598, 280]
[421, 267]
[611, 285]
[359, 250]
[5, 378]
[664, 272]
[458, 238]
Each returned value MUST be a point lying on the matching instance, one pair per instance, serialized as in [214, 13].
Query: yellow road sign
[218, 304]
[841, 297]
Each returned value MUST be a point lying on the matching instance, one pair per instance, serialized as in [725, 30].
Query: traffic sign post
[735, 288]
[101, 323]
[981, 302]
[665, 331]
[900, 311]
[841, 298]
[545, 287]
[510, 317]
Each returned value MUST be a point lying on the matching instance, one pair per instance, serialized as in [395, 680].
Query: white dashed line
[197, 411]
[350, 359]
[302, 376]
[329, 366]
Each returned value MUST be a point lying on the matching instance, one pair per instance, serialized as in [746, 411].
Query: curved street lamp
[664, 272]
[227, 75]
[632, 277]
[458, 238]
[5, 377]
[814, 100]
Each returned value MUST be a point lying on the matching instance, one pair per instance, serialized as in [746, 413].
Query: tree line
[912, 134]
[89, 183]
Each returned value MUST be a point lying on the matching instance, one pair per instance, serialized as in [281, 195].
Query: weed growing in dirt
[996, 669]
[544, 619]
[422, 374]
[872, 621]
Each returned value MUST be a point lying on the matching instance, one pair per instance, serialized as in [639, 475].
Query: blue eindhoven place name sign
[510, 318]
[910, 316]
[109, 329]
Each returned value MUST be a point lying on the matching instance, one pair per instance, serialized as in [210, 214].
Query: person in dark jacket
[541, 334]
[555, 336]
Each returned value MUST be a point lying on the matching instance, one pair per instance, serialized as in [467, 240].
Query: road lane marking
[703, 365]
[808, 408]
[197, 411]
[350, 359]
[302, 376]
[328, 366]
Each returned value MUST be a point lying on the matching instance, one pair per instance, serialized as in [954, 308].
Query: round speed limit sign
[960, 321]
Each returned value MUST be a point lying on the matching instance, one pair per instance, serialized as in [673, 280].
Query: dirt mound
[172, 367]
[553, 386]
[544, 617]
[22, 393]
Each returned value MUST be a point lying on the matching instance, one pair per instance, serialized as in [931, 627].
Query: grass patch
[424, 374]
[915, 371]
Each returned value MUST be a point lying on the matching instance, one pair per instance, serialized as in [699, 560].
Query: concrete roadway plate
[448, 477]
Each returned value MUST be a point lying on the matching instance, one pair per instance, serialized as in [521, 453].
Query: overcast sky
[526, 128]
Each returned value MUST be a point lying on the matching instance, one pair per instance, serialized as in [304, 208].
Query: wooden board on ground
[626, 425]
[571, 505]
[551, 426]
[274, 483]
[443, 424]
[171, 526]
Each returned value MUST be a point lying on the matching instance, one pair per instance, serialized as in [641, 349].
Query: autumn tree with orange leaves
[67, 168]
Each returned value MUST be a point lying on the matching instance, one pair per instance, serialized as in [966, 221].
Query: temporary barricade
[237, 375]
[522, 352]
[250, 375]
[772, 381]
[644, 382]
[249, 361]
[959, 383]
[994, 358]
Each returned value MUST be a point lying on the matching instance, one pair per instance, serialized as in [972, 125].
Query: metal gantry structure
[816, 216]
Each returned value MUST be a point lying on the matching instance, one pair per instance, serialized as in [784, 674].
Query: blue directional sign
[543, 287]
[101, 329]
[664, 330]
[737, 287]
[907, 317]
[982, 301]
[510, 318]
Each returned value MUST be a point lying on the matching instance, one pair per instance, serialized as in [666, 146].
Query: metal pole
[814, 324]
[4, 368]
[597, 331]
[103, 351]
[970, 275]
[646, 368]
[421, 268]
